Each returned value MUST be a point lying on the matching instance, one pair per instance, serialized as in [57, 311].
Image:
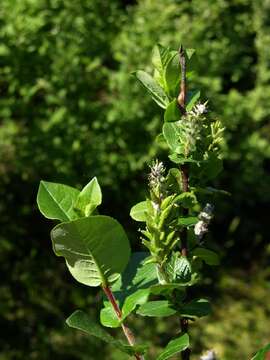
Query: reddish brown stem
[126, 330]
[183, 91]
[185, 181]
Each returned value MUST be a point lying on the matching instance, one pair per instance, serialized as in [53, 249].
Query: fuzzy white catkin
[209, 355]
[156, 176]
[205, 217]
[200, 228]
[199, 109]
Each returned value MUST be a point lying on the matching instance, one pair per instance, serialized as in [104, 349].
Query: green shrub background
[70, 109]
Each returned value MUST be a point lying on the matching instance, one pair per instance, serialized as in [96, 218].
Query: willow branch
[185, 179]
[126, 330]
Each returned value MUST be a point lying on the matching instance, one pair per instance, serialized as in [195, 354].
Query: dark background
[70, 109]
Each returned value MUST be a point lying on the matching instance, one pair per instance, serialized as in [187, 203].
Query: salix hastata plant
[174, 220]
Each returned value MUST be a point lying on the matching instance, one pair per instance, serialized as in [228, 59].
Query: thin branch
[183, 91]
[126, 330]
[185, 180]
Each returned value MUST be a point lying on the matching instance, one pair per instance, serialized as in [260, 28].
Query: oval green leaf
[56, 201]
[156, 91]
[139, 211]
[193, 97]
[96, 248]
[175, 346]
[172, 112]
[81, 321]
[108, 317]
[156, 308]
[89, 198]
[208, 256]
[196, 308]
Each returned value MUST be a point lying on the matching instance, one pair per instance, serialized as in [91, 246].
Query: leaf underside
[96, 248]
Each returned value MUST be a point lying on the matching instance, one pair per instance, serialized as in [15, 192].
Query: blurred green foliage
[70, 109]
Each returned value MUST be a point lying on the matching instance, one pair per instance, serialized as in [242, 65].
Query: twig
[185, 180]
[128, 333]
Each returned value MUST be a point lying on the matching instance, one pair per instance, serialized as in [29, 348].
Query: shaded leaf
[188, 220]
[173, 74]
[196, 308]
[208, 256]
[166, 288]
[192, 98]
[186, 199]
[174, 347]
[178, 268]
[172, 112]
[180, 159]
[156, 308]
[81, 321]
[137, 275]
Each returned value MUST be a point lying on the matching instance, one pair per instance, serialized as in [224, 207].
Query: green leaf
[211, 167]
[188, 221]
[137, 275]
[173, 74]
[166, 288]
[174, 180]
[132, 301]
[96, 248]
[89, 198]
[172, 112]
[160, 57]
[186, 199]
[190, 53]
[208, 256]
[156, 91]
[56, 201]
[262, 353]
[170, 133]
[211, 190]
[196, 308]
[178, 269]
[156, 308]
[81, 321]
[174, 347]
[108, 317]
[192, 98]
[160, 140]
[139, 211]
[180, 159]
